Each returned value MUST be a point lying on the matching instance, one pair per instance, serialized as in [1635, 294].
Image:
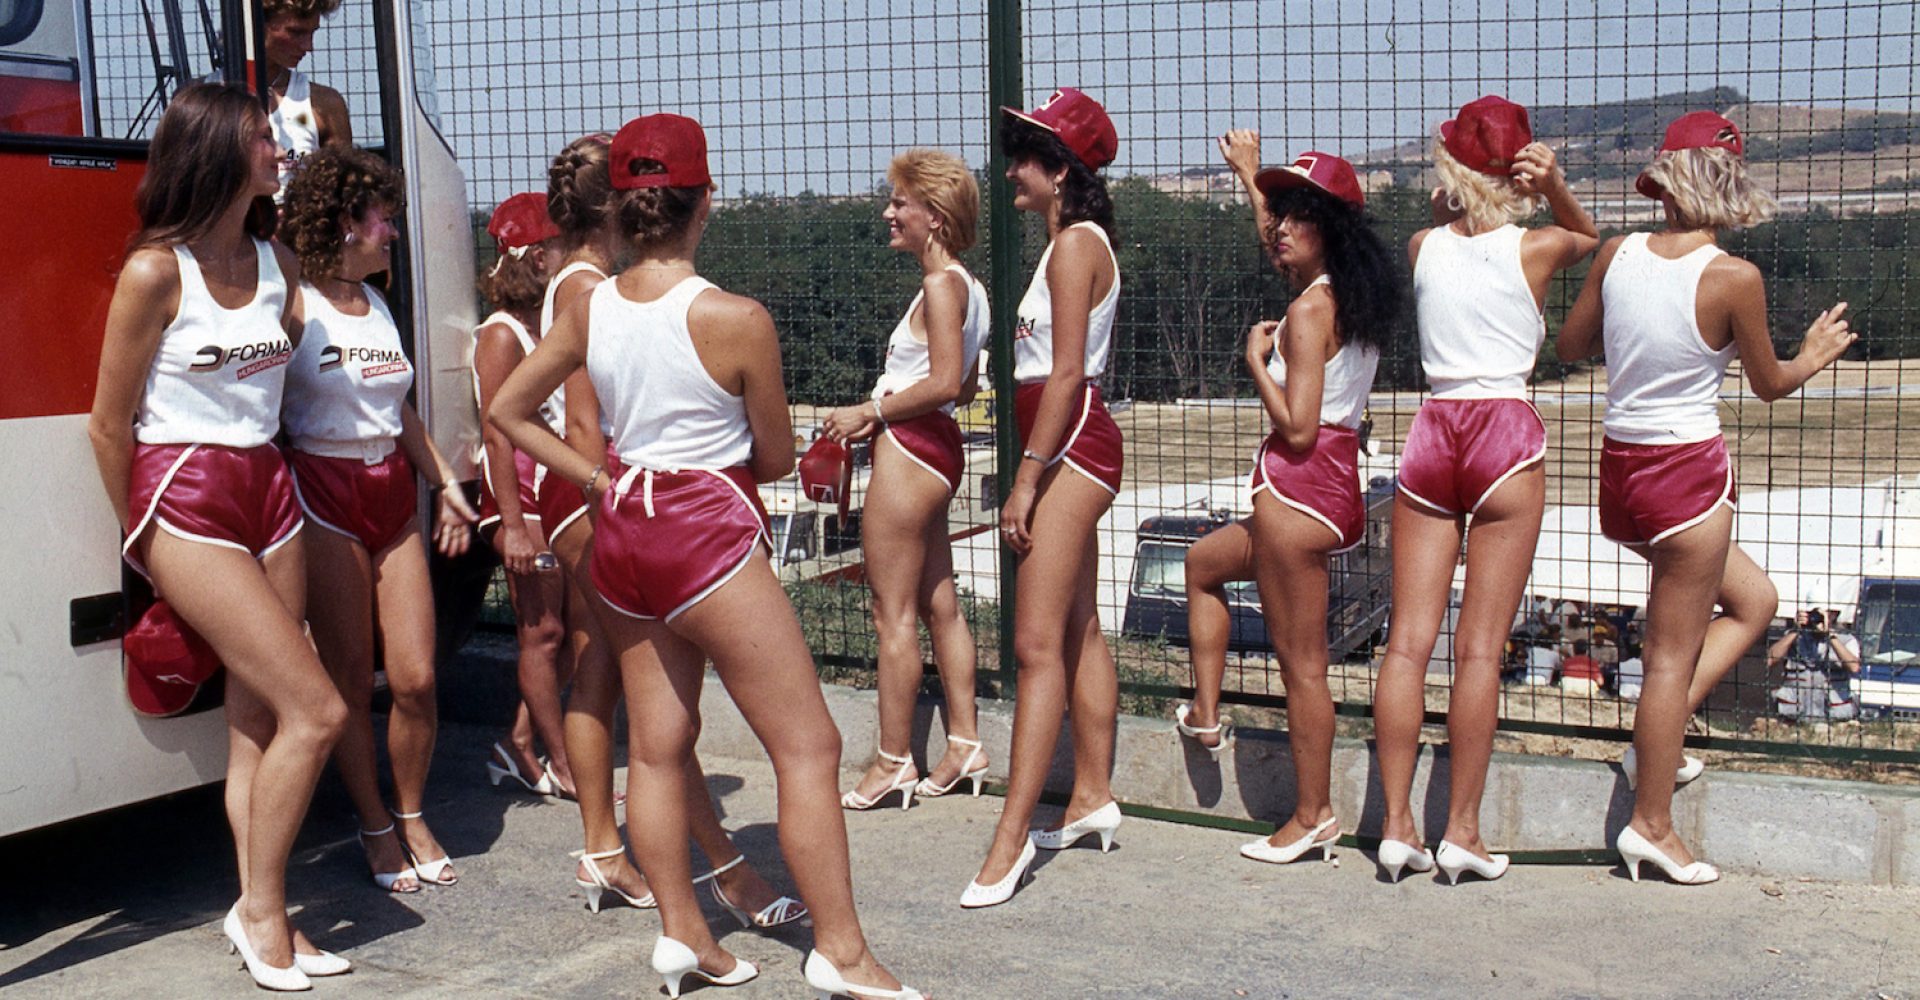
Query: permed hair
[1487, 201]
[1368, 295]
[336, 184]
[943, 183]
[650, 217]
[200, 160]
[1083, 193]
[1711, 189]
[515, 283]
[299, 8]
[579, 189]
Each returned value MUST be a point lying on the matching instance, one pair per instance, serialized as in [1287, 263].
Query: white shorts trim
[1726, 497]
[1517, 466]
[952, 487]
[565, 523]
[1423, 501]
[708, 591]
[153, 505]
[1266, 483]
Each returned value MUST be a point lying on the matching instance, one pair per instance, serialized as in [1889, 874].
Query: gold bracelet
[878, 417]
[598, 471]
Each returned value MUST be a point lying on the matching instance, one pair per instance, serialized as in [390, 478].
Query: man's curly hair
[336, 184]
[300, 8]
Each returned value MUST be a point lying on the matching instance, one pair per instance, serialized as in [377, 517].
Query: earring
[1056, 189]
[1454, 204]
[350, 237]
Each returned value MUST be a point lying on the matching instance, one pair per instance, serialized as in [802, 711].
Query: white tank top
[295, 128]
[1480, 327]
[1349, 376]
[666, 412]
[348, 380]
[1663, 382]
[218, 374]
[908, 361]
[1033, 321]
[553, 412]
[557, 403]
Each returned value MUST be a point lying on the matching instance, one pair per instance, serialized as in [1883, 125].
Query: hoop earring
[1454, 204]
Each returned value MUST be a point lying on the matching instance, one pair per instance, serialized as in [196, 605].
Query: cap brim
[1029, 119]
[1275, 178]
[156, 698]
[1647, 187]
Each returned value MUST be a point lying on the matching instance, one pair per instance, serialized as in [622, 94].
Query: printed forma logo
[254, 358]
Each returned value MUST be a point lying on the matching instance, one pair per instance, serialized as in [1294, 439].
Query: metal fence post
[1003, 246]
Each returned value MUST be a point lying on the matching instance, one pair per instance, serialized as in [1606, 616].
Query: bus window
[1889, 626]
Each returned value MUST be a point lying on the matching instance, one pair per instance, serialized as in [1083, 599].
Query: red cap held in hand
[1487, 134]
[1314, 169]
[673, 141]
[1696, 130]
[521, 221]
[826, 475]
[166, 662]
[1080, 122]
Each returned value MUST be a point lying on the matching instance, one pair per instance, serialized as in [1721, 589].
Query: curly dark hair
[1368, 293]
[655, 216]
[1083, 194]
[299, 8]
[334, 185]
[579, 191]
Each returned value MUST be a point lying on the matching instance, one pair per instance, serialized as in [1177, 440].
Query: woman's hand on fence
[1014, 517]
[1827, 339]
[1241, 148]
[852, 423]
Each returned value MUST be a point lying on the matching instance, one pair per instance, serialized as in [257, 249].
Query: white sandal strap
[603, 855]
[722, 870]
[383, 831]
[401, 815]
[963, 741]
[904, 759]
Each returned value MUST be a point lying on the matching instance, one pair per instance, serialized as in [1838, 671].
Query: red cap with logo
[521, 221]
[826, 475]
[673, 141]
[1080, 122]
[166, 662]
[1487, 134]
[1314, 169]
[1696, 130]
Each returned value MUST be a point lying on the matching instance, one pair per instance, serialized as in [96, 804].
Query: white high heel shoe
[1223, 729]
[1455, 860]
[1635, 848]
[267, 977]
[784, 910]
[977, 895]
[1396, 856]
[1690, 768]
[496, 774]
[387, 880]
[435, 871]
[827, 983]
[1103, 821]
[1265, 850]
[324, 964]
[899, 783]
[600, 884]
[926, 789]
[675, 961]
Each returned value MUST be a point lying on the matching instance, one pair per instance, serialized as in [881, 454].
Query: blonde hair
[943, 181]
[1488, 202]
[1711, 189]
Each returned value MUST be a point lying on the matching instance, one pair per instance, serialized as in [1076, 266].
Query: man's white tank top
[1033, 326]
[908, 361]
[295, 128]
[666, 412]
[558, 401]
[1480, 328]
[1349, 376]
[554, 416]
[218, 374]
[348, 380]
[1663, 381]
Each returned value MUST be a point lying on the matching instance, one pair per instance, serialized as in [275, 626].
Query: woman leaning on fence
[1672, 310]
[1474, 453]
[1069, 473]
[933, 358]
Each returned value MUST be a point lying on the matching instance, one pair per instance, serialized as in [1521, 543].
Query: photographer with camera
[1820, 665]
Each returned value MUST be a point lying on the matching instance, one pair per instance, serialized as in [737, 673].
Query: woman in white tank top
[690, 378]
[197, 339]
[1313, 372]
[305, 115]
[1473, 454]
[933, 359]
[1671, 310]
[1068, 473]
[355, 446]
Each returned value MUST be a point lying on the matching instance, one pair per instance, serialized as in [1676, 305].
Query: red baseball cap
[826, 475]
[1487, 134]
[1079, 121]
[1696, 130]
[674, 141]
[166, 662]
[1315, 169]
[521, 221]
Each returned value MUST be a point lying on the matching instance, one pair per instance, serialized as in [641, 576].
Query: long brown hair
[198, 163]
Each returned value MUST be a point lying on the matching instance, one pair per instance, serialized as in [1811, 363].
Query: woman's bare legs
[954, 653]
[1748, 601]
[404, 596]
[1501, 538]
[544, 666]
[1426, 548]
[1291, 569]
[770, 676]
[343, 634]
[1062, 657]
[1214, 561]
[1688, 569]
[284, 714]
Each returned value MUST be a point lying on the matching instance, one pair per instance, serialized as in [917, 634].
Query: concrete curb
[1764, 824]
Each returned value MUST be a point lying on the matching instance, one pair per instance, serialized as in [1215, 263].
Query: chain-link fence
[806, 102]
